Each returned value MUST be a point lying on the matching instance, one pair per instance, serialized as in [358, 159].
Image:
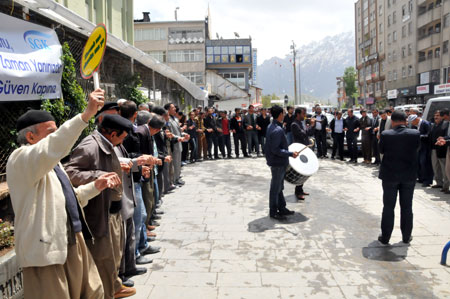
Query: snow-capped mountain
[320, 63]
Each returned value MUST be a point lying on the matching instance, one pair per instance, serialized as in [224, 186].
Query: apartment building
[370, 45]
[117, 15]
[433, 35]
[179, 44]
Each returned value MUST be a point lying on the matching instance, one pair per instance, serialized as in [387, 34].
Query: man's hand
[367, 129]
[328, 130]
[258, 128]
[249, 128]
[209, 130]
[158, 162]
[441, 141]
[345, 129]
[376, 129]
[199, 131]
[295, 154]
[168, 159]
[356, 130]
[146, 172]
[107, 180]
[126, 166]
[95, 102]
[219, 130]
[233, 131]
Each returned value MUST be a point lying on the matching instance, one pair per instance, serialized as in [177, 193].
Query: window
[410, 70]
[389, 20]
[447, 20]
[403, 72]
[437, 52]
[366, 21]
[394, 17]
[365, 4]
[390, 76]
[149, 34]
[158, 55]
[438, 3]
[381, 28]
[359, 27]
[410, 4]
[187, 56]
[195, 77]
[445, 47]
[389, 57]
[409, 28]
[359, 11]
[430, 54]
[394, 56]
[437, 28]
[389, 38]
[380, 10]
[394, 74]
[409, 49]
[394, 36]
[389, 3]
[231, 54]
[237, 78]
[403, 31]
[192, 35]
[404, 11]
[403, 52]
[380, 48]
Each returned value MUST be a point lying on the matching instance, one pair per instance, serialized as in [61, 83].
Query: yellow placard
[93, 52]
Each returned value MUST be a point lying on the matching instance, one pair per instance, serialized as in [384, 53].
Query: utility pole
[294, 52]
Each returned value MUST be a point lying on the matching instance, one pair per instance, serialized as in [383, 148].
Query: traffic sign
[93, 52]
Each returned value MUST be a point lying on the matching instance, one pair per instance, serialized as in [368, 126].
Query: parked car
[435, 104]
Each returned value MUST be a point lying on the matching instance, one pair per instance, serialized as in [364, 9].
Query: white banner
[442, 89]
[392, 94]
[424, 89]
[30, 61]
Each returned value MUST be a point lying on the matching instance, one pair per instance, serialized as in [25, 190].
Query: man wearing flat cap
[94, 156]
[49, 220]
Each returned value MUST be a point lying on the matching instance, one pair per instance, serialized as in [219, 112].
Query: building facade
[179, 44]
[117, 15]
[407, 43]
[370, 45]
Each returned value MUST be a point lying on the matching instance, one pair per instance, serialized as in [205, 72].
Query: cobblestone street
[218, 241]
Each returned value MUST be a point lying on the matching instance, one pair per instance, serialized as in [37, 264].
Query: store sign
[424, 89]
[392, 94]
[30, 61]
[370, 100]
[441, 89]
[425, 78]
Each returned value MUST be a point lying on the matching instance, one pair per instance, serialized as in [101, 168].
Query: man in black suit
[374, 131]
[337, 127]
[425, 172]
[352, 131]
[211, 134]
[300, 134]
[398, 173]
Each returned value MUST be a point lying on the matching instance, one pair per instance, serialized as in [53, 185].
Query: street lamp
[294, 52]
[176, 15]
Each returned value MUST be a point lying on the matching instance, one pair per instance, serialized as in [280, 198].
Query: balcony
[429, 16]
[428, 65]
[428, 41]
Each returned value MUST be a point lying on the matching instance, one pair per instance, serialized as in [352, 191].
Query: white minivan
[435, 104]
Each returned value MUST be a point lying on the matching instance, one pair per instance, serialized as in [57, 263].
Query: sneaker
[125, 292]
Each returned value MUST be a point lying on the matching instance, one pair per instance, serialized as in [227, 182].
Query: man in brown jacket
[91, 158]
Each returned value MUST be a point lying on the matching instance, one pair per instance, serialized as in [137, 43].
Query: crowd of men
[87, 225]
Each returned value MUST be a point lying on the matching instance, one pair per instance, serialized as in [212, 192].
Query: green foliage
[127, 88]
[6, 234]
[350, 82]
[73, 101]
[266, 100]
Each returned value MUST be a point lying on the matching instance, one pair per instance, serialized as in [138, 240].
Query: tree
[350, 82]
[128, 88]
[266, 100]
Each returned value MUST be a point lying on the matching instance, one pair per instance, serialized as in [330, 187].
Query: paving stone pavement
[218, 241]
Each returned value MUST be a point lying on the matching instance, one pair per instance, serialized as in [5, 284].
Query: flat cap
[33, 117]
[116, 122]
[108, 106]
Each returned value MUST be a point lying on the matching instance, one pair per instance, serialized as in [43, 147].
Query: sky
[271, 24]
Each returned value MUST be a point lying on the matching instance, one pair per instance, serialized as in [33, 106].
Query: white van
[435, 104]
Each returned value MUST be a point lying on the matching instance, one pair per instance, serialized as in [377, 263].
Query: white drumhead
[306, 163]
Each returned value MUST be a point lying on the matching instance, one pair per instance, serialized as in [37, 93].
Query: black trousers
[240, 137]
[225, 143]
[185, 150]
[321, 142]
[376, 149]
[338, 145]
[366, 143]
[211, 139]
[406, 192]
[352, 144]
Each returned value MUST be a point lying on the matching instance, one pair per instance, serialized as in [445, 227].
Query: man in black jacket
[438, 153]
[352, 131]
[321, 133]
[374, 131]
[263, 121]
[300, 134]
[398, 173]
[211, 134]
[237, 128]
[337, 127]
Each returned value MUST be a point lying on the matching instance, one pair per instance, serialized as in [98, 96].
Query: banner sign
[442, 89]
[392, 94]
[30, 61]
[423, 89]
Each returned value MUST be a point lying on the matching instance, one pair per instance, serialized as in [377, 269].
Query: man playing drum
[277, 157]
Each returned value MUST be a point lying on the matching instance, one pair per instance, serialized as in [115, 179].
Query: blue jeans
[139, 217]
[276, 197]
[406, 192]
[289, 138]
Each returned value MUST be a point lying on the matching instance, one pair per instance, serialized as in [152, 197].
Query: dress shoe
[154, 222]
[305, 193]
[156, 217]
[171, 188]
[136, 271]
[142, 260]
[151, 250]
[180, 182]
[382, 241]
[436, 186]
[128, 282]
[278, 216]
[159, 212]
[124, 292]
[408, 240]
[300, 197]
[151, 234]
[151, 239]
[286, 212]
